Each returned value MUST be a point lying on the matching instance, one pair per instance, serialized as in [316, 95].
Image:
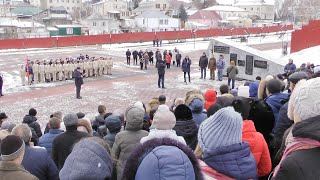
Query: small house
[69, 30]
[208, 18]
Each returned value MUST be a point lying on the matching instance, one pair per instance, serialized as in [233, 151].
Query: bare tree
[201, 4]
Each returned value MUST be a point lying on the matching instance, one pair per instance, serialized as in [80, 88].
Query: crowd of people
[265, 129]
[61, 70]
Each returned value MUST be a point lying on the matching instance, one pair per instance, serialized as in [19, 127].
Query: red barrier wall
[307, 37]
[131, 37]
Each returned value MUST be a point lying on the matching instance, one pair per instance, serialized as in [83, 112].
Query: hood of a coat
[309, 128]
[187, 129]
[211, 98]
[235, 161]
[277, 99]
[88, 160]
[248, 126]
[196, 106]
[134, 118]
[29, 119]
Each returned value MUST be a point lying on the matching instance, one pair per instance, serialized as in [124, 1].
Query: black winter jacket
[303, 164]
[63, 144]
[78, 79]
[33, 124]
[189, 131]
[203, 62]
[161, 68]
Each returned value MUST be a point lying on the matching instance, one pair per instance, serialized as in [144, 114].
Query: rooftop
[21, 24]
[68, 26]
[203, 14]
[96, 16]
[225, 8]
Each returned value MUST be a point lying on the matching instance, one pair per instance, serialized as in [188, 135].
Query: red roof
[203, 14]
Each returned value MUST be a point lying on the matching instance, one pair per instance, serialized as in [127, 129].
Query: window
[94, 24]
[164, 6]
[251, 9]
[158, 6]
[143, 21]
[68, 1]
[245, 8]
[257, 9]
[68, 8]
[50, 1]
[166, 21]
[78, 2]
[127, 13]
[104, 24]
[69, 30]
[161, 22]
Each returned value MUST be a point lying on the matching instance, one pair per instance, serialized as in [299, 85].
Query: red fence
[307, 37]
[131, 37]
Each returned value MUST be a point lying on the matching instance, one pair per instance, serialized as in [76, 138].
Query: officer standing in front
[78, 78]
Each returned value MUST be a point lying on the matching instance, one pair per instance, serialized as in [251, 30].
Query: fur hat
[183, 112]
[194, 95]
[32, 112]
[164, 119]
[86, 124]
[222, 129]
[12, 147]
[70, 120]
[304, 102]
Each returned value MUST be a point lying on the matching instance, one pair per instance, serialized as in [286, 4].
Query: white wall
[102, 26]
[69, 5]
[35, 3]
[115, 5]
[154, 24]
[225, 14]
[263, 11]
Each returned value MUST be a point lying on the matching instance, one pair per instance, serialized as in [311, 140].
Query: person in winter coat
[161, 72]
[212, 67]
[186, 63]
[113, 124]
[163, 122]
[221, 149]
[168, 59]
[150, 54]
[47, 139]
[258, 145]
[290, 67]
[127, 140]
[140, 55]
[36, 159]
[253, 88]
[178, 58]
[185, 126]
[220, 67]
[275, 98]
[301, 158]
[203, 63]
[211, 98]
[262, 90]
[196, 104]
[12, 152]
[146, 59]
[128, 54]
[90, 159]
[232, 72]
[78, 79]
[135, 54]
[1, 84]
[162, 159]
[62, 145]
[31, 120]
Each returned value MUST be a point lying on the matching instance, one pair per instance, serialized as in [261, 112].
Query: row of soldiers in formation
[60, 70]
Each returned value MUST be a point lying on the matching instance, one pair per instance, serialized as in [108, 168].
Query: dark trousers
[161, 78]
[1, 90]
[128, 60]
[185, 73]
[168, 65]
[141, 65]
[178, 63]
[135, 60]
[203, 72]
[78, 89]
[232, 83]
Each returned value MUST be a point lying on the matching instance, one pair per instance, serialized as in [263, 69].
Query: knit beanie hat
[183, 112]
[164, 119]
[32, 112]
[304, 102]
[297, 76]
[88, 160]
[70, 119]
[12, 147]
[113, 123]
[224, 128]
[274, 86]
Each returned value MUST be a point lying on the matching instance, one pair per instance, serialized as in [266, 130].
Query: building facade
[228, 11]
[209, 18]
[260, 9]
[152, 21]
[69, 5]
[111, 8]
[99, 24]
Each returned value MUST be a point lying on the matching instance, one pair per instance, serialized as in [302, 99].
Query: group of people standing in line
[60, 70]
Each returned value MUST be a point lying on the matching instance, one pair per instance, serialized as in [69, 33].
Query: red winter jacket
[168, 59]
[211, 174]
[258, 147]
[211, 98]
